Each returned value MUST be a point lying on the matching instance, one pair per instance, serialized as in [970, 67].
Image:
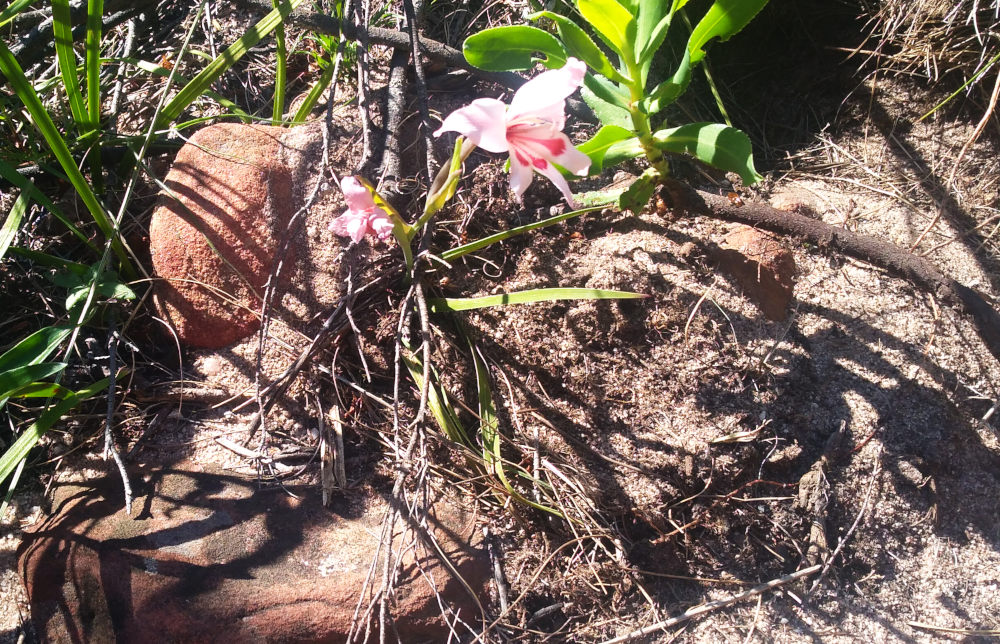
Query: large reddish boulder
[210, 557]
[216, 231]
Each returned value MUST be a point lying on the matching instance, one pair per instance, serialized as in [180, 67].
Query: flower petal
[357, 196]
[520, 173]
[380, 224]
[350, 224]
[550, 172]
[545, 95]
[482, 121]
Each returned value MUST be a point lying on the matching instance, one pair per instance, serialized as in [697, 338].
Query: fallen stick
[894, 259]
[714, 605]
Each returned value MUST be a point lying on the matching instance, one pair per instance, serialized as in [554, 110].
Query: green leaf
[512, 48]
[62, 30]
[717, 145]
[597, 147]
[13, 10]
[13, 222]
[613, 22]
[14, 379]
[472, 247]
[19, 450]
[637, 195]
[280, 73]
[92, 64]
[579, 44]
[607, 91]
[669, 90]
[528, 297]
[107, 287]
[10, 173]
[224, 61]
[437, 401]
[153, 68]
[35, 348]
[607, 113]
[723, 19]
[41, 390]
[650, 19]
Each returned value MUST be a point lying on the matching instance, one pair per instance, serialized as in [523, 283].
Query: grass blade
[13, 222]
[10, 173]
[14, 379]
[62, 29]
[280, 72]
[95, 15]
[465, 249]
[35, 348]
[153, 68]
[224, 61]
[528, 297]
[13, 10]
[19, 83]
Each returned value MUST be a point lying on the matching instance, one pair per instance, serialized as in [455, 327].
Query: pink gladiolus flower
[530, 129]
[362, 215]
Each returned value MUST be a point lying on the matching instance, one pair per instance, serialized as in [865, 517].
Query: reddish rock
[211, 558]
[762, 266]
[213, 238]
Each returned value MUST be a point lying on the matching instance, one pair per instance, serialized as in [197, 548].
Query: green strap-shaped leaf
[528, 297]
[597, 147]
[473, 246]
[717, 145]
[62, 30]
[24, 90]
[95, 14]
[224, 61]
[13, 222]
[613, 22]
[159, 70]
[35, 348]
[13, 10]
[14, 379]
[608, 113]
[503, 49]
[724, 19]
[19, 450]
[579, 44]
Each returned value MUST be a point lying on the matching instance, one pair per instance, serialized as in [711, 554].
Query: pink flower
[362, 215]
[530, 129]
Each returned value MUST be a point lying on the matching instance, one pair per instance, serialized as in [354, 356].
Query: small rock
[762, 266]
[212, 558]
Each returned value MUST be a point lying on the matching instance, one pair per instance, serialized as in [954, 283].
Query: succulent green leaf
[512, 48]
[649, 19]
[613, 22]
[717, 145]
[579, 44]
[723, 19]
[608, 113]
[597, 147]
[637, 195]
[669, 90]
